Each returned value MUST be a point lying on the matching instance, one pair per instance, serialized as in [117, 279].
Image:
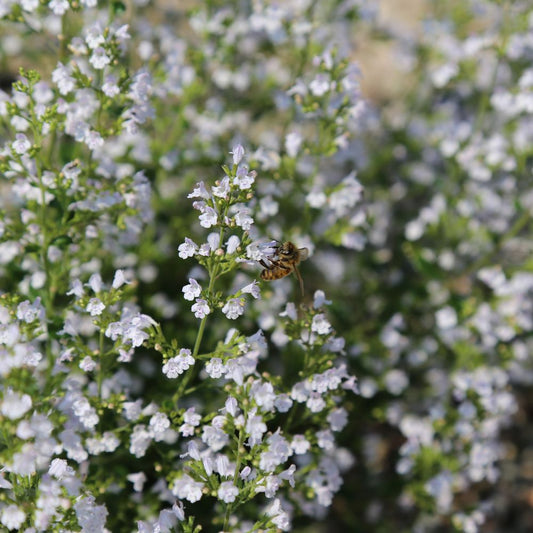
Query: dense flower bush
[153, 156]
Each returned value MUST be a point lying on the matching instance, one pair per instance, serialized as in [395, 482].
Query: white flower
[325, 439]
[95, 307]
[59, 469]
[293, 141]
[227, 492]
[238, 154]
[300, 444]
[59, 7]
[320, 299]
[231, 406]
[200, 308]
[441, 488]
[337, 419]
[290, 311]
[283, 403]
[159, 423]
[94, 36]
[208, 218]
[187, 249]
[138, 479]
[28, 312]
[443, 74]
[244, 179]
[316, 197]
[90, 517]
[243, 218]
[95, 283]
[320, 325]
[99, 58]
[132, 410]
[263, 395]
[255, 427]
[192, 417]
[199, 192]
[93, 139]
[185, 488]
[234, 308]
[140, 439]
[119, 279]
[396, 381]
[446, 318]
[278, 516]
[178, 364]
[213, 239]
[253, 289]
[15, 405]
[12, 517]
[29, 5]
[62, 78]
[320, 85]
[315, 403]
[85, 412]
[192, 291]
[232, 244]
[110, 87]
[88, 364]
[245, 473]
[21, 145]
[278, 452]
[214, 368]
[223, 188]
[214, 437]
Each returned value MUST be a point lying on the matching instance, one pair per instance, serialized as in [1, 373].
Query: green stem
[43, 252]
[238, 459]
[213, 274]
[101, 369]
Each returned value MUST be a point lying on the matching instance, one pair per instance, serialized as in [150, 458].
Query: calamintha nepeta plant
[271, 441]
[144, 391]
[260, 446]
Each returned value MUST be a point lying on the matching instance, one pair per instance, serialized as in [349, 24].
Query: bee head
[287, 248]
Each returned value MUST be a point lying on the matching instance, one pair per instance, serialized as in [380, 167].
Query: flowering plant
[152, 381]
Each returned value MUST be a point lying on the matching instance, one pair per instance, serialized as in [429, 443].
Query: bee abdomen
[268, 275]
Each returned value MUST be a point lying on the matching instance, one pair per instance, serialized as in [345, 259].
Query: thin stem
[238, 459]
[101, 369]
[213, 274]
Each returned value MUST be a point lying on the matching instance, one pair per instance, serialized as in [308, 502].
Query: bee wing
[304, 253]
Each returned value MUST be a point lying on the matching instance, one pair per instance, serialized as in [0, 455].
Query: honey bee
[285, 260]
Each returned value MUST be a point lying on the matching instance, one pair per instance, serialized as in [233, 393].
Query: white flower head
[320, 325]
[209, 217]
[234, 308]
[187, 248]
[21, 145]
[192, 290]
[201, 308]
[99, 58]
[238, 154]
[253, 289]
[178, 364]
[227, 492]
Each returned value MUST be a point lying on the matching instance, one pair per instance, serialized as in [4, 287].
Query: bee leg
[275, 263]
[299, 276]
[264, 264]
